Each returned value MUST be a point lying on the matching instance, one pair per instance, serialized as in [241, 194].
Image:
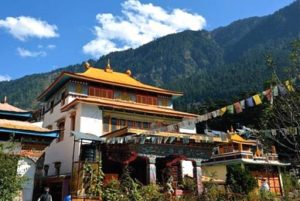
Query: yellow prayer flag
[257, 99]
[223, 110]
[289, 85]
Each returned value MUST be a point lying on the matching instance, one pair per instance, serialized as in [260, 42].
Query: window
[130, 124]
[46, 169]
[106, 124]
[61, 128]
[113, 124]
[146, 125]
[151, 100]
[73, 121]
[164, 101]
[51, 106]
[63, 98]
[121, 123]
[57, 166]
[101, 92]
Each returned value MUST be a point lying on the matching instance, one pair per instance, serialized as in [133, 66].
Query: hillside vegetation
[223, 64]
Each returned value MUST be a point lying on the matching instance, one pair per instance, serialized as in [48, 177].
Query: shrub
[239, 180]
[10, 182]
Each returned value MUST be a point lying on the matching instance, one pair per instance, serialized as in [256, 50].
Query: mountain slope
[221, 64]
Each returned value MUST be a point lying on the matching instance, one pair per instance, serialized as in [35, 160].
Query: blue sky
[39, 36]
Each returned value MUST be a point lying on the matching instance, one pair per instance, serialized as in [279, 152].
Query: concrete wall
[188, 128]
[26, 167]
[90, 119]
[61, 151]
[215, 171]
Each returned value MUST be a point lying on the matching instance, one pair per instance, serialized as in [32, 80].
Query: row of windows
[112, 124]
[145, 99]
[101, 92]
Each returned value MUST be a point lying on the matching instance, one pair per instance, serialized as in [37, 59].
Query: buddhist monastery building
[249, 154]
[110, 115]
[30, 141]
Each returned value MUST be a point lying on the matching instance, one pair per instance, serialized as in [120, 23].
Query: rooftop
[106, 76]
[10, 108]
[21, 125]
[14, 112]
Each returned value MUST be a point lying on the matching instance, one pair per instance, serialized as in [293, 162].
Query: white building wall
[61, 151]
[26, 168]
[191, 129]
[90, 119]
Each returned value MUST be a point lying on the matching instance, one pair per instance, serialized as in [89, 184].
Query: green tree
[239, 180]
[10, 182]
[284, 113]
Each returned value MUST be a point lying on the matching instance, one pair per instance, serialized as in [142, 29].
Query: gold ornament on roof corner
[128, 72]
[87, 65]
[108, 67]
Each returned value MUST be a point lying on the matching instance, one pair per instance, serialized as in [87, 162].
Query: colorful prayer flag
[223, 110]
[282, 90]
[238, 107]
[289, 85]
[275, 91]
[230, 109]
[243, 105]
[268, 94]
[250, 102]
[257, 99]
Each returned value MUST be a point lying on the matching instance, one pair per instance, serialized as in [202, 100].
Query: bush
[113, 192]
[239, 180]
[188, 184]
[10, 182]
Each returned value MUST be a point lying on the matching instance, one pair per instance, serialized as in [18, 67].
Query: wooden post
[198, 176]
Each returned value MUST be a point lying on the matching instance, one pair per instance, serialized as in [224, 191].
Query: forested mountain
[223, 64]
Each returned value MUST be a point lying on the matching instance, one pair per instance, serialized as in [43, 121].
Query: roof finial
[5, 99]
[108, 67]
[87, 65]
[108, 64]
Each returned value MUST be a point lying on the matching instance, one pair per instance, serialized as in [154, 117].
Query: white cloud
[27, 53]
[24, 27]
[140, 24]
[4, 78]
[51, 46]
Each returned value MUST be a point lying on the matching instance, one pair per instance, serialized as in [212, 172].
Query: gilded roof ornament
[87, 65]
[108, 67]
[128, 72]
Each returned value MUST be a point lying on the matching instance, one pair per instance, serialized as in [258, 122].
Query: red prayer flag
[268, 94]
[238, 107]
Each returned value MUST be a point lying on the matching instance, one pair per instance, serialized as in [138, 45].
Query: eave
[50, 134]
[122, 105]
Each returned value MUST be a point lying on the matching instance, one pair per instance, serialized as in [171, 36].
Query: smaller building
[30, 142]
[248, 153]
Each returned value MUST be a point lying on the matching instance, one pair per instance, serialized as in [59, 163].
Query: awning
[86, 136]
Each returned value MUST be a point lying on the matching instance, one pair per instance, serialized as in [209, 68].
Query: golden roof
[129, 106]
[10, 108]
[237, 138]
[21, 125]
[107, 75]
